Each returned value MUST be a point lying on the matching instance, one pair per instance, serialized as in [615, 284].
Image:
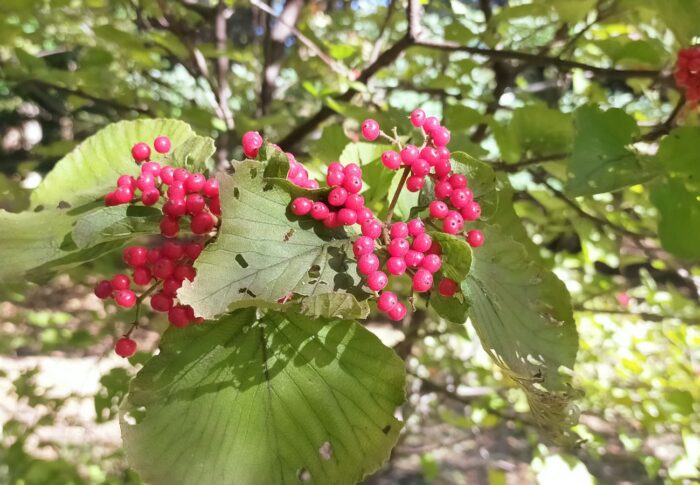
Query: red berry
[193, 250]
[461, 197]
[415, 227]
[336, 167]
[319, 211]
[431, 124]
[125, 347]
[398, 247]
[377, 281]
[420, 168]
[123, 195]
[153, 255]
[443, 189]
[441, 136]
[364, 214]
[161, 302]
[162, 144]
[331, 220]
[135, 256]
[103, 289]
[211, 188]
[126, 181]
[472, 211]
[422, 242]
[337, 196]
[347, 217]
[355, 202]
[415, 183]
[142, 276]
[150, 196]
[442, 168]
[386, 301]
[167, 175]
[447, 287]
[475, 238]
[252, 141]
[215, 206]
[363, 245]
[111, 199]
[391, 160]
[170, 286]
[140, 152]
[352, 170]
[181, 175]
[195, 203]
[430, 155]
[125, 298]
[396, 266]
[413, 258]
[175, 208]
[163, 268]
[353, 183]
[176, 190]
[202, 223]
[422, 280]
[418, 117]
[169, 226]
[435, 248]
[399, 229]
[432, 262]
[301, 206]
[443, 153]
[335, 178]
[438, 209]
[151, 168]
[172, 250]
[458, 181]
[120, 282]
[368, 263]
[398, 312]
[372, 228]
[185, 272]
[452, 223]
[370, 129]
[195, 182]
[409, 154]
[178, 316]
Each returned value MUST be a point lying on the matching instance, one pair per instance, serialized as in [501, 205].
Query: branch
[665, 127]
[652, 317]
[501, 166]
[223, 65]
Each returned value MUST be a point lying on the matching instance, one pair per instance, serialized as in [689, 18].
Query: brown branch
[665, 127]
[379, 43]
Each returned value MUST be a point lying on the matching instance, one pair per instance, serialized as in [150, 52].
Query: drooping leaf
[263, 251]
[601, 160]
[282, 399]
[93, 167]
[456, 255]
[454, 309]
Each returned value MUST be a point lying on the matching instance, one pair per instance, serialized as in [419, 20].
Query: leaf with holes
[282, 399]
[263, 251]
[93, 167]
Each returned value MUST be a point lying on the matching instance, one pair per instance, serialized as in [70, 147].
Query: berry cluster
[687, 72]
[406, 247]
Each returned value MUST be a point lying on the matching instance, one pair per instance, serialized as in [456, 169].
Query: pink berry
[162, 144]
[301, 206]
[193, 250]
[420, 168]
[368, 263]
[438, 209]
[167, 175]
[409, 154]
[458, 181]
[377, 281]
[431, 262]
[170, 286]
[161, 302]
[150, 197]
[146, 181]
[415, 183]
[169, 226]
[172, 250]
[252, 141]
[319, 211]
[418, 117]
[335, 178]
[163, 268]
[422, 280]
[103, 289]
[396, 266]
[471, 211]
[452, 223]
[175, 208]
[135, 256]
[355, 202]
[335, 166]
[443, 153]
[184, 272]
[331, 220]
[398, 229]
[415, 227]
[386, 301]
[215, 206]
[125, 347]
[447, 287]
[372, 228]
[176, 190]
[364, 214]
[140, 152]
[475, 238]
[347, 217]
[353, 183]
[178, 316]
[337, 196]
[431, 124]
[398, 312]
[370, 129]
[443, 189]
[123, 195]
[151, 167]
[181, 174]
[125, 298]
[111, 199]
[441, 136]
[461, 197]
[413, 258]
[398, 247]
[202, 223]
[352, 169]
[195, 203]
[126, 181]
[443, 168]
[211, 188]
[363, 245]
[142, 276]
[391, 160]
[195, 182]
[120, 282]
[430, 155]
[422, 242]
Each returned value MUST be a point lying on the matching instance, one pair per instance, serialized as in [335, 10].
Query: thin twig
[395, 198]
[501, 166]
[652, 317]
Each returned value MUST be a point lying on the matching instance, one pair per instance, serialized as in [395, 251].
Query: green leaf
[193, 153]
[328, 147]
[679, 217]
[679, 152]
[601, 161]
[540, 130]
[482, 181]
[263, 252]
[681, 17]
[282, 399]
[93, 167]
[453, 309]
[336, 305]
[572, 12]
[456, 255]
[115, 223]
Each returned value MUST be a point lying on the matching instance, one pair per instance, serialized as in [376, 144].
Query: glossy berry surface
[162, 144]
[370, 129]
[141, 152]
[125, 347]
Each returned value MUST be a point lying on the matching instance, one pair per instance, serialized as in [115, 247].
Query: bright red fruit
[141, 152]
[447, 287]
[125, 347]
[103, 289]
[370, 129]
[162, 144]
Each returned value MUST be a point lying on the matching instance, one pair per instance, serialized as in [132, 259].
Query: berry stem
[395, 199]
[139, 301]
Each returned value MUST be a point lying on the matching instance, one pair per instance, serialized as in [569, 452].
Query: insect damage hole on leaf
[241, 261]
[326, 450]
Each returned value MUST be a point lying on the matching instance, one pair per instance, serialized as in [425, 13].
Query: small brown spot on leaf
[289, 234]
[386, 429]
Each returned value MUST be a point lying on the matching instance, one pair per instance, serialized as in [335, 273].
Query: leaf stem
[139, 301]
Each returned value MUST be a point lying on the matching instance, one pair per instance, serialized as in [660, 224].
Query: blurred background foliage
[573, 100]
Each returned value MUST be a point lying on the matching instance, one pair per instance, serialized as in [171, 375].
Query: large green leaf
[92, 168]
[679, 152]
[679, 217]
[263, 251]
[539, 130]
[282, 399]
[602, 161]
[115, 223]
